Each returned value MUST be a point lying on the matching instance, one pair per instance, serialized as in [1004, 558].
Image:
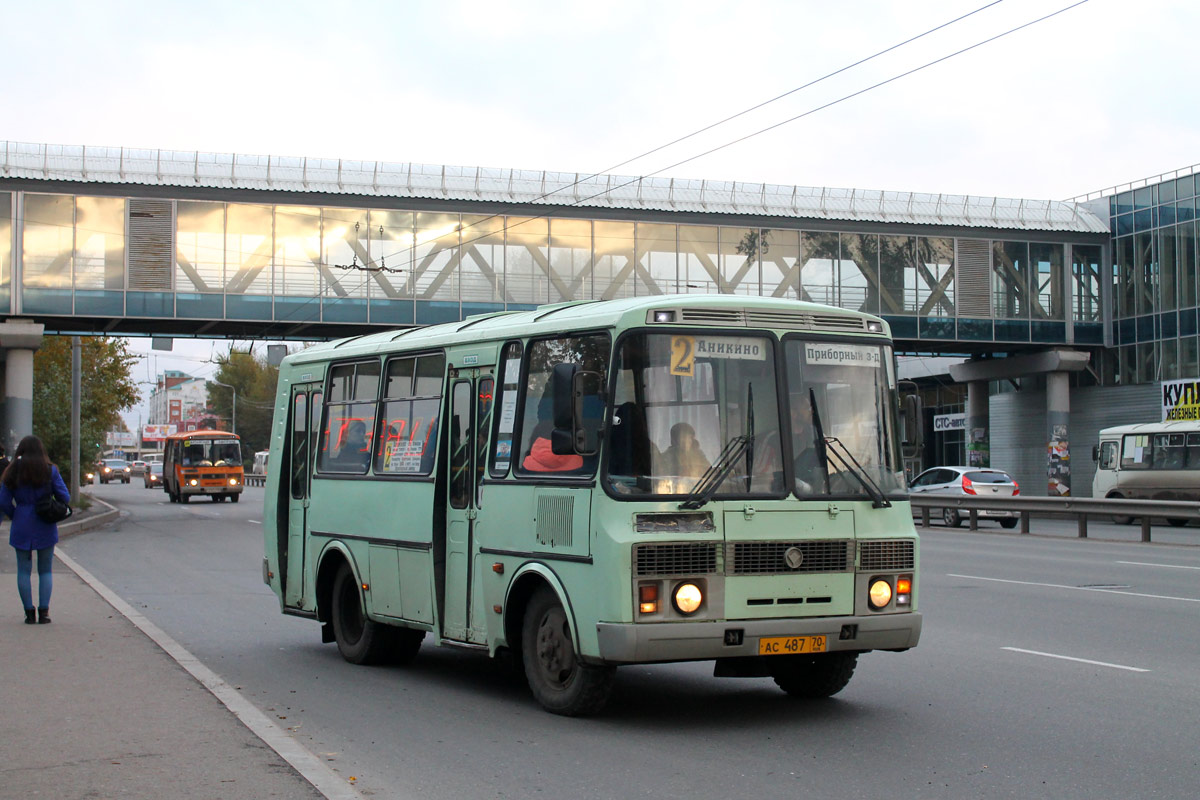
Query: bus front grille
[774, 558]
[693, 558]
[886, 555]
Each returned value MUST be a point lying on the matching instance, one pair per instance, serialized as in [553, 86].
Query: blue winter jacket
[27, 531]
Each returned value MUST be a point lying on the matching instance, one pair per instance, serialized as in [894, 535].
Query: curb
[309, 766]
[89, 521]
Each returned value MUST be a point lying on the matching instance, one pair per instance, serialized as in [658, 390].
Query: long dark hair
[30, 465]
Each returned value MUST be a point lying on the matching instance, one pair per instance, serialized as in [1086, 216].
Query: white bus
[586, 485]
[1149, 461]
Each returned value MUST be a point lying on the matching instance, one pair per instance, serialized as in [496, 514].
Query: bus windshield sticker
[683, 356]
[841, 355]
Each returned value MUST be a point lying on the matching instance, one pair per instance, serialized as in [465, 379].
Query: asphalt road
[1049, 667]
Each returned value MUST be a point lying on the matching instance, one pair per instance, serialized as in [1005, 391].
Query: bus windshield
[682, 402]
[847, 392]
[211, 453]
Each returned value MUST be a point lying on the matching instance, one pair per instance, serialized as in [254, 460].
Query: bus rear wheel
[359, 640]
[558, 680]
[813, 676]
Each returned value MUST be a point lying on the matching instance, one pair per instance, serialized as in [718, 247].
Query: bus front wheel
[559, 682]
[813, 676]
[359, 640]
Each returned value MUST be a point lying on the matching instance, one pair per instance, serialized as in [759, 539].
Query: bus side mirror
[913, 419]
[578, 409]
[1095, 452]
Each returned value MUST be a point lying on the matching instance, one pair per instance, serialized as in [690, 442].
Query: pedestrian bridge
[138, 242]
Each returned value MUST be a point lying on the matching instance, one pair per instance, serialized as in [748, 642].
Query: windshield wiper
[850, 464]
[822, 456]
[715, 475]
[829, 445]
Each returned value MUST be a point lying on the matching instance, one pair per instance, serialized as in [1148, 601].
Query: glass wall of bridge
[311, 264]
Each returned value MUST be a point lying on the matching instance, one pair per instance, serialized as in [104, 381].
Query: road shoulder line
[316, 772]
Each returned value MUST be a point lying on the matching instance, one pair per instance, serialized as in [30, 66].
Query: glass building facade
[1154, 280]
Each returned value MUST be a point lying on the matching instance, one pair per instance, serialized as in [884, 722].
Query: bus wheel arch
[331, 561]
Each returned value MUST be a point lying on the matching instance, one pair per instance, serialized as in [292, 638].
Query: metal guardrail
[254, 479]
[1079, 507]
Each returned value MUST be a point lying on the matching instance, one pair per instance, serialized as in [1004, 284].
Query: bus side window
[1108, 455]
[1191, 459]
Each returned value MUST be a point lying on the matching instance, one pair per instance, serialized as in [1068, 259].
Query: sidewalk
[91, 706]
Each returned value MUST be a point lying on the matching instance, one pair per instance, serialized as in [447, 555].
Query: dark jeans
[45, 558]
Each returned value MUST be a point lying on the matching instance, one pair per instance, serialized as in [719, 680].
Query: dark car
[114, 469]
[968, 481]
[153, 475]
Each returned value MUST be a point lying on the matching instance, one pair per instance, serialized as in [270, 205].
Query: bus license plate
[790, 645]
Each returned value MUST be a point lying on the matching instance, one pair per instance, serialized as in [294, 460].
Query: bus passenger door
[470, 413]
[303, 429]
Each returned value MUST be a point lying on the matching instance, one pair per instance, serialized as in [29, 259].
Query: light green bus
[586, 485]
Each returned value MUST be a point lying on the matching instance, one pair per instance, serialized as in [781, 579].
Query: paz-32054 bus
[673, 478]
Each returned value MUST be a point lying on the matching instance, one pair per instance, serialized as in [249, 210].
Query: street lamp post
[232, 405]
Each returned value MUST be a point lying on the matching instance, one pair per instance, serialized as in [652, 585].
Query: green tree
[254, 381]
[106, 389]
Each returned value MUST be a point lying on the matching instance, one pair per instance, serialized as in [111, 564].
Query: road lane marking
[1149, 564]
[256, 522]
[1077, 588]
[1071, 658]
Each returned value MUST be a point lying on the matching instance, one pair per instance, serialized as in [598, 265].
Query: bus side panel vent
[554, 515]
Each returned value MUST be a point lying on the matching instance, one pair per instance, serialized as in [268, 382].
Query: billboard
[156, 433]
[119, 439]
[1180, 400]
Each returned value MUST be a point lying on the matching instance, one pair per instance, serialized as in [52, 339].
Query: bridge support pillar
[19, 338]
[978, 440]
[1058, 442]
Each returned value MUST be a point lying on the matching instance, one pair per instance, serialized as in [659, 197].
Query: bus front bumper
[699, 641]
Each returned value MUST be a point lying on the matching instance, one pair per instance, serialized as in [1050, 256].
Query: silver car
[968, 481]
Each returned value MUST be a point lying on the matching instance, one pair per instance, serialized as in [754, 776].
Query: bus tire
[1009, 523]
[813, 676]
[233, 498]
[559, 682]
[1119, 519]
[185, 498]
[359, 640]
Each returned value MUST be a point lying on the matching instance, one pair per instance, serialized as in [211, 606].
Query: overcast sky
[1099, 95]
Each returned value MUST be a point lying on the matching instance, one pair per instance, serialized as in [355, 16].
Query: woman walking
[27, 478]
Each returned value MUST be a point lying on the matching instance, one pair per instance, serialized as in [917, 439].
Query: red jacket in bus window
[542, 459]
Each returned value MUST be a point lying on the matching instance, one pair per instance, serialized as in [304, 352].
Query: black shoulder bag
[50, 509]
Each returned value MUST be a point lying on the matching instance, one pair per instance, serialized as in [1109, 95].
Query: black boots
[30, 617]
[43, 616]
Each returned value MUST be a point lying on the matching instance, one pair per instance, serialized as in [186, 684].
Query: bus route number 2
[683, 356]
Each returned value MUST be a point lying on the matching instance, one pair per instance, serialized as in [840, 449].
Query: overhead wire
[353, 291]
[830, 104]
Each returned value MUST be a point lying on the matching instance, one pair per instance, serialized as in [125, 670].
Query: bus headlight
[880, 594]
[688, 598]
[193, 482]
[233, 481]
